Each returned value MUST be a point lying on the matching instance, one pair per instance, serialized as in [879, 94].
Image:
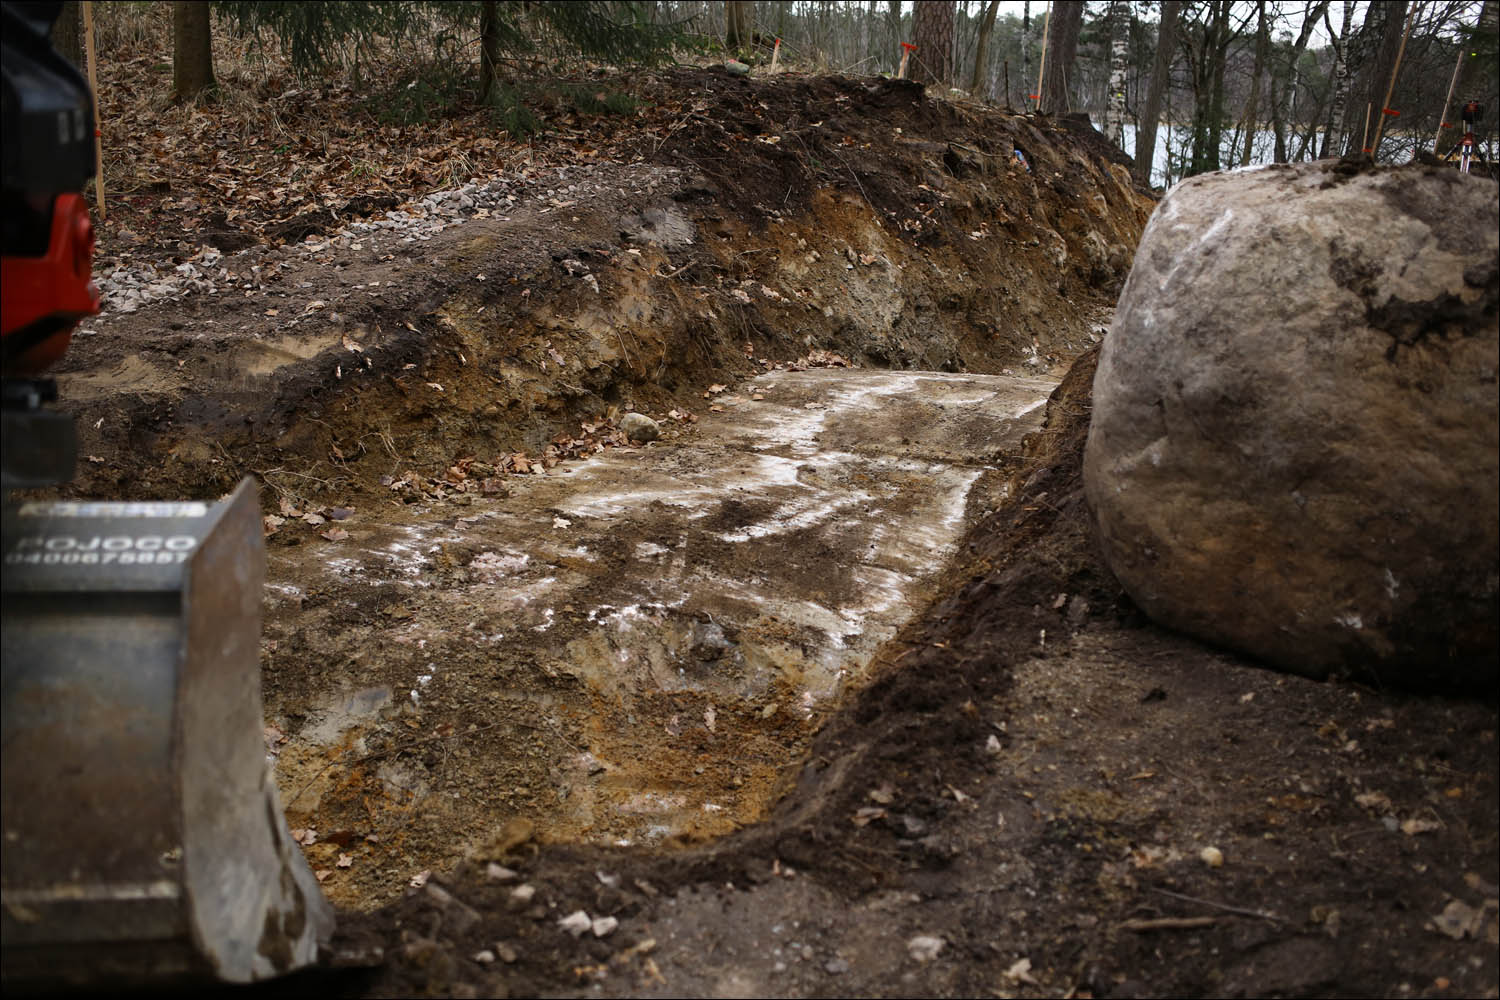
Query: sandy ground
[629, 648]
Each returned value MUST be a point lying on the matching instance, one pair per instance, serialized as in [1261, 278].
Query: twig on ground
[1168, 924]
[1221, 906]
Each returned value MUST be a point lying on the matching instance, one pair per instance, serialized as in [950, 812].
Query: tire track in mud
[631, 649]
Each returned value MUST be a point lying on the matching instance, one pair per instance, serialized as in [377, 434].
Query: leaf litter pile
[1039, 794]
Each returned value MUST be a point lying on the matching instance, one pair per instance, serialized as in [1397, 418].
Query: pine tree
[932, 31]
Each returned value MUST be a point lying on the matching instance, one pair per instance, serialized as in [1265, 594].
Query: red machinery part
[45, 297]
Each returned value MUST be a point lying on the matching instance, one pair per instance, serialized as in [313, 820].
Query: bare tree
[1062, 50]
[1262, 42]
[739, 16]
[1315, 10]
[1374, 52]
[192, 52]
[1161, 72]
[932, 31]
[1338, 131]
[982, 47]
[1119, 47]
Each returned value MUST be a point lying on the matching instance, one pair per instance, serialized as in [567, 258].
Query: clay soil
[1022, 787]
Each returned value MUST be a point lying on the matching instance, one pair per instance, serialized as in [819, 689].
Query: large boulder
[1294, 441]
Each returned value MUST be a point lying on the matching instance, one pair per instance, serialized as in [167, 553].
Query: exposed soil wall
[771, 219]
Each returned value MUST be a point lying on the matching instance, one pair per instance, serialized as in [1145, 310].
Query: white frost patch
[493, 564]
[794, 516]
[1030, 406]
[653, 802]
[648, 550]
[546, 621]
[1350, 620]
[1392, 588]
[291, 590]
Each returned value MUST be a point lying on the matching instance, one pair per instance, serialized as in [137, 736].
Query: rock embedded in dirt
[639, 427]
[1294, 441]
[925, 947]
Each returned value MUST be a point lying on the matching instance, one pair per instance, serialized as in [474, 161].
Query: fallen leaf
[420, 879]
[1412, 827]
[313, 519]
[335, 534]
[434, 386]
[709, 717]
[345, 861]
[1459, 920]
[561, 522]
[271, 522]
[323, 873]
[1020, 972]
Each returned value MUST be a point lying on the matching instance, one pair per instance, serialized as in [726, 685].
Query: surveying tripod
[1467, 147]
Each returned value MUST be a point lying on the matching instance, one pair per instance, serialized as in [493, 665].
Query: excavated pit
[634, 648]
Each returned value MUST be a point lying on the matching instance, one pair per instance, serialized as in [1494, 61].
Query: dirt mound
[745, 222]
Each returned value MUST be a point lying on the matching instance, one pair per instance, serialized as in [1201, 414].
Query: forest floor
[825, 691]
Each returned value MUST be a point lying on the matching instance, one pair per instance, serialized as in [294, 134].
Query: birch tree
[1119, 46]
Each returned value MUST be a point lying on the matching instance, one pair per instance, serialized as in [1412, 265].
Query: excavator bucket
[143, 839]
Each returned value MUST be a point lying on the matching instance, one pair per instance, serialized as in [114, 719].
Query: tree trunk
[1119, 48]
[1161, 72]
[192, 53]
[1262, 40]
[893, 21]
[489, 50]
[1374, 51]
[739, 17]
[932, 32]
[1025, 54]
[1216, 92]
[67, 32]
[1333, 139]
[1062, 48]
[1208, 90]
[982, 47]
